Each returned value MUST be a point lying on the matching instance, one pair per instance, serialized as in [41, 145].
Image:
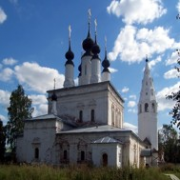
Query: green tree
[18, 111]
[2, 141]
[175, 96]
[168, 143]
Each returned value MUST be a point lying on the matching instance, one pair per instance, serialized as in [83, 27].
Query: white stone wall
[38, 134]
[86, 70]
[126, 151]
[112, 153]
[147, 124]
[69, 76]
[100, 97]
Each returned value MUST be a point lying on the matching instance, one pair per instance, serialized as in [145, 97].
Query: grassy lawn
[26, 172]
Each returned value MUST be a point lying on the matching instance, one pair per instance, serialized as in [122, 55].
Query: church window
[81, 116]
[65, 155]
[135, 155]
[153, 107]
[82, 155]
[92, 115]
[36, 153]
[105, 159]
[146, 107]
[152, 91]
[113, 117]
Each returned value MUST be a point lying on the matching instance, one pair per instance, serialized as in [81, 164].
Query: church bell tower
[147, 110]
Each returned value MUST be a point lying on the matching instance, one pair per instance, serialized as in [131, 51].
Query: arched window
[65, 155]
[146, 107]
[92, 115]
[113, 117]
[104, 159]
[153, 107]
[82, 155]
[36, 153]
[80, 116]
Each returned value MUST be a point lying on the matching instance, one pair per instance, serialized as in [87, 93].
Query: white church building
[84, 122]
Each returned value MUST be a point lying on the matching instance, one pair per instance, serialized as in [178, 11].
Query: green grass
[171, 169]
[25, 172]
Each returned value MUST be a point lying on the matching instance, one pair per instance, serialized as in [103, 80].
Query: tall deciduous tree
[168, 143]
[175, 96]
[2, 141]
[18, 111]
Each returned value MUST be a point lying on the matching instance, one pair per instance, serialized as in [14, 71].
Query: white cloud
[173, 73]
[1, 66]
[40, 110]
[132, 111]
[2, 117]
[133, 97]
[163, 103]
[38, 78]
[6, 74]
[113, 70]
[131, 104]
[137, 11]
[130, 127]
[9, 61]
[3, 16]
[154, 62]
[4, 98]
[76, 81]
[38, 99]
[172, 59]
[133, 45]
[125, 89]
[178, 6]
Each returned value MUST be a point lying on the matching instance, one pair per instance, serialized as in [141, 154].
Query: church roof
[50, 117]
[146, 153]
[106, 140]
[43, 117]
[146, 141]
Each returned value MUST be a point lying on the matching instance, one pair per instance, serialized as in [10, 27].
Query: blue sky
[34, 40]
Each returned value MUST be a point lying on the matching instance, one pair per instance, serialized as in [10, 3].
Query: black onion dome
[88, 43]
[96, 49]
[106, 64]
[69, 56]
[54, 97]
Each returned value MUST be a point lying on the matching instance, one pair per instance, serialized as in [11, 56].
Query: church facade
[84, 123]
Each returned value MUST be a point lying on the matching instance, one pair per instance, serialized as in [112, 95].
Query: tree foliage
[18, 111]
[175, 96]
[169, 144]
[2, 141]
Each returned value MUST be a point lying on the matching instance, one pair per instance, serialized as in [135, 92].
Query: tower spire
[147, 109]
[69, 29]
[95, 61]
[89, 22]
[69, 65]
[105, 64]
